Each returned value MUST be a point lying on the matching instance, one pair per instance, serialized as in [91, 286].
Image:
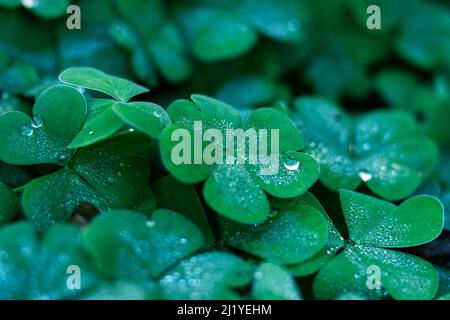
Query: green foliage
[353, 204]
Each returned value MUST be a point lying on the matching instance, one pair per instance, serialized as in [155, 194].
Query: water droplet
[183, 241]
[91, 133]
[365, 175]
[27, 131]
[291, 164]
[131, 130]
[122, 164]
[356, 275]
[119, 173]
[111, 180]
[157, 113]
[62, 158]
[150, 224]
[38, 121]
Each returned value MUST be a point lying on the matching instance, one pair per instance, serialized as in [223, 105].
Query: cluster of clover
[233, 193]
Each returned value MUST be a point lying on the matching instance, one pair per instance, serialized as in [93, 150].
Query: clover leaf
[106, 117]
[414, 43]
[217, 31]
[273, 282]
[291, 235]
[57, 117]
[234, 185]
[37, 269]
[103, 175]
[210, 275]
[374, 225]
[334, 241]
[379, 148]
[127, 245]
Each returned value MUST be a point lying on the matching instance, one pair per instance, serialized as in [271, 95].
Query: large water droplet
[183, 241]
[62, 158]
[26, 131]
[91, 133]
[291, 164]
[365, 175]
[38, 121]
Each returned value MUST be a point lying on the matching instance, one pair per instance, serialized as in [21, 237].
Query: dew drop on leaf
[150, 224]
[91, 133]
[27, 131]
[291, 164]
[365, 175]
[37, 123]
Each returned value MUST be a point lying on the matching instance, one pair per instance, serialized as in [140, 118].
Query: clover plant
[287, 150]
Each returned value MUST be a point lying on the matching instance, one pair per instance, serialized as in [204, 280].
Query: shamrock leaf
[195, 148]
[106, 117]
[127, 245]
[211, 275]
[101, 175]
[57, 117]
[37, 269]
[378, 223]
[272, 282]
[401, 275]
[8, 204]
[292, 235]
[414, 43]
[334, 242]
[230, 29]
[379, 148]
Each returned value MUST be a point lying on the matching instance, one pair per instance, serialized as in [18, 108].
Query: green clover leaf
[127, 245]
[211, 275]
[236, 190]
[414, 43]
[106, 117]
[226, 30]
[291, 235]
[57, 117]
[379, 148]
[273, 282]
[103, 175]
[37, 269]
[374, 225]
